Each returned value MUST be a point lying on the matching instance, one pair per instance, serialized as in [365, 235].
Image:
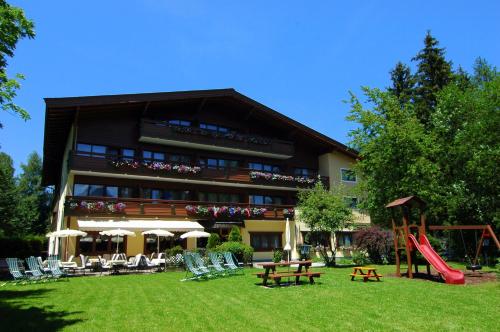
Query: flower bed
[224, 211]
[156, 166]
[96, 206]
[257, 175]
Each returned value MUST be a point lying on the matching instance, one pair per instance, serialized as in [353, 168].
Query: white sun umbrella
[117, 232]
[66, 233]
[195, 234]
[158, 233]
[287, 247]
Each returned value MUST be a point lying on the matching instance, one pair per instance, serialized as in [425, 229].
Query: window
[264, 167]
[218, 197]
[351, 202]
[126, 192]
[128, 154]
[176, 195]
[213, 127]
[153, 156]
[183, 123]
[265, 200]
[81, 190]
[152, 193]
[347, 175]
[265, 241]
[111, 191]
[89, 150]
[303, 171]
[96, 190]
[218, 163]
[344, 239]
[179, 158]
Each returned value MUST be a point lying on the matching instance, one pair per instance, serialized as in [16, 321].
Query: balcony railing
[231, 142]
[139, 207]
[83, 161]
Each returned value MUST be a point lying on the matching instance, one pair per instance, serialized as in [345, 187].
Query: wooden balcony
[104, 164]
[196, 138]
[151, 208]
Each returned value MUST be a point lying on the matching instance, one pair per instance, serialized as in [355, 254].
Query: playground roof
[406, 201]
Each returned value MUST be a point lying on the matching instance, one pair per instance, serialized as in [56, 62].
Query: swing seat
[474, 267]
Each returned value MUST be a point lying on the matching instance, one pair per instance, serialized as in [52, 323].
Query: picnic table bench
[277, 276]
[371, 272]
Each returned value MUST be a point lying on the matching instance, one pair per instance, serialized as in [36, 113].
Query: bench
[366, 276]
[278, 276]
[359, 271]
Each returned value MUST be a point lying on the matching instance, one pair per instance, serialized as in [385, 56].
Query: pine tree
[403, 83]
[34, 199]
[433, 73]
[8, 196]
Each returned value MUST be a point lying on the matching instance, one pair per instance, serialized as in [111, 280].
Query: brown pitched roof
[405, 201]
[60, 112]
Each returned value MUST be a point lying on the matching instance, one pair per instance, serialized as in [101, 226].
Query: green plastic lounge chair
[34, 270]
[15, 272]
[200, 264]
[232, 263]
[216, 264]
[55, 270]
[190, 267]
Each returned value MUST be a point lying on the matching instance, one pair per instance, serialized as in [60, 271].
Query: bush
[23, 247]
[277, 255]
[174, 251]
[377, 242]
[213, 241]
[360, 258]
[243, 252]
[234, 235]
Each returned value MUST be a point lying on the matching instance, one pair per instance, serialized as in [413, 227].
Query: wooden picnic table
[366, 273]
[277, 276]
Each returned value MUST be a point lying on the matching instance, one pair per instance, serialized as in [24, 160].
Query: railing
[139, 207]
[162, 130]
[117, 164]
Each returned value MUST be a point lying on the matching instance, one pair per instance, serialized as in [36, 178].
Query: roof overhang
[140, 225]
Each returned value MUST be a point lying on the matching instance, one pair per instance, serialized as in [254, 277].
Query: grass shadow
[15, 315]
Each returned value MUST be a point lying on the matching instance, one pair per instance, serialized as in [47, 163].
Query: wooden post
[406, 217]
[396, 242]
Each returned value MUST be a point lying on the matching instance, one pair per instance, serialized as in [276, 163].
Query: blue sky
[298, 57]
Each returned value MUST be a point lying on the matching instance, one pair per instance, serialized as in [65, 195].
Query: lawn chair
[15, 272]
[55, 270]
[34, 270]
[216, 264]
[200, 264]
[232, 263]
[43, 268]
[103, 265]
[190, 267]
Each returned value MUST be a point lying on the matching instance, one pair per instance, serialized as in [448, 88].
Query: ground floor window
[151, 243]
[265, 241]
[344, 239]
[96, 244]
[317, 238]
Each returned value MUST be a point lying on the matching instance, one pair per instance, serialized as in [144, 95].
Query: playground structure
[404, 239]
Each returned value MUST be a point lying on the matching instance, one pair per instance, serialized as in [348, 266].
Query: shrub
[360, 258]
[213, 241]
[234, 235]
[377, 242]
[277, 255]
[243, 252]
[23, 247]
[174, 251]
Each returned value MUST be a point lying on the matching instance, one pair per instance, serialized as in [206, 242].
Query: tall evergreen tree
[34, 203]
[8, 196]
[403, 83]
[433, 73]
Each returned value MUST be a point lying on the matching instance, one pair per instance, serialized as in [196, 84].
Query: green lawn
[155, 302]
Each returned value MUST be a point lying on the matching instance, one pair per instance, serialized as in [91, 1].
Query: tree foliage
[8, 196]
[14, 26]
[377, 242]
[442, 144]
[235, 235]
[324, 211]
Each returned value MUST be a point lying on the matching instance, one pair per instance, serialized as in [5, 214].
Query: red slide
[451, 276]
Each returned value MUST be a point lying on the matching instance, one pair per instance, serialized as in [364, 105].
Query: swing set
[486, 234]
